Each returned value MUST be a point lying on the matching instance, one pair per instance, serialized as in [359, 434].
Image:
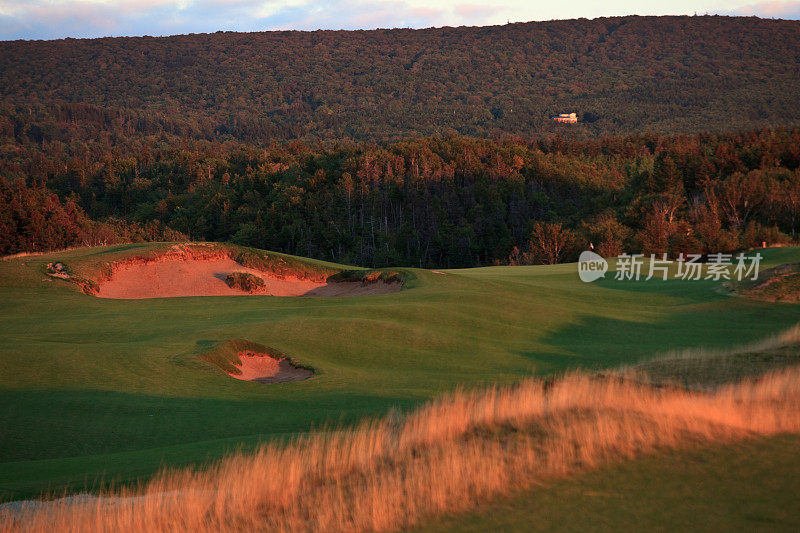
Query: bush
[369, 276]
[245, 281]
[552, 243]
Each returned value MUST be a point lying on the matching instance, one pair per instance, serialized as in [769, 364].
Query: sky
[55, 19]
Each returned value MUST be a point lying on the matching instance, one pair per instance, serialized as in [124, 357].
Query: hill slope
[622, 75]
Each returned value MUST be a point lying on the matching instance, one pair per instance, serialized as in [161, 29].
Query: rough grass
[777, 284]
[704, 369]
[245, 281]
[281, 265]
[371, 276]
[445, 457]
[724, 497]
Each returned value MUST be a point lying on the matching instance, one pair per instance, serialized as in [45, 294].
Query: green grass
[96, 389]
[750, 486]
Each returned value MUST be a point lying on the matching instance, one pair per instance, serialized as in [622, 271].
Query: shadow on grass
[595, 342]
[83, 440]
[690, 290]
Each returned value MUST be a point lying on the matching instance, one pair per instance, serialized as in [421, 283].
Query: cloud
[50, 19]
[353, 14]
[779, 10]
[473, 11]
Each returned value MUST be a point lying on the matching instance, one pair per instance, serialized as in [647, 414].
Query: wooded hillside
[621, 75]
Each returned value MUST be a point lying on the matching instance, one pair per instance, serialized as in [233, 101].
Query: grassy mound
[717, 370]
[87, 268]
[709, 369]
[245, 281]
[281, 265]
[778, 284]
[369, 276]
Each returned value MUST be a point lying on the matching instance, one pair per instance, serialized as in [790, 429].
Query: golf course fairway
[96, 391]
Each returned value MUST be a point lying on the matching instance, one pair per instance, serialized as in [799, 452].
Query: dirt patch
[175, 276]
[263, 368]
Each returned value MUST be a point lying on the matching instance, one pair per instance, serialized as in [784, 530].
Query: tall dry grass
[448, 455]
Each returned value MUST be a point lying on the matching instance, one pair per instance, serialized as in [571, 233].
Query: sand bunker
[262, 368]
[174, 277]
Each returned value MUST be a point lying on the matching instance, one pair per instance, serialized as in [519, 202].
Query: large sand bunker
[174, 277]
[262, 368]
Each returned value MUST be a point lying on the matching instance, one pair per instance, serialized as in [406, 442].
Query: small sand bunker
[175, 277]
[262, 368]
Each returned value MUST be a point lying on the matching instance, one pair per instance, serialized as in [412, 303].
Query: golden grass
[34, 254]
[444, 457]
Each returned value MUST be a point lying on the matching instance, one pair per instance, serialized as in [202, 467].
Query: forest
[426, 201]
[430, 148]
[621, 75]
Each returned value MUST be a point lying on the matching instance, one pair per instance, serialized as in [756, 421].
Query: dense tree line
[435, 201]
[33, 219]
[621, 75]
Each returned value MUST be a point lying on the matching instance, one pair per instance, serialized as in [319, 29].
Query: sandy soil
[265, 369]
[193, 277]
